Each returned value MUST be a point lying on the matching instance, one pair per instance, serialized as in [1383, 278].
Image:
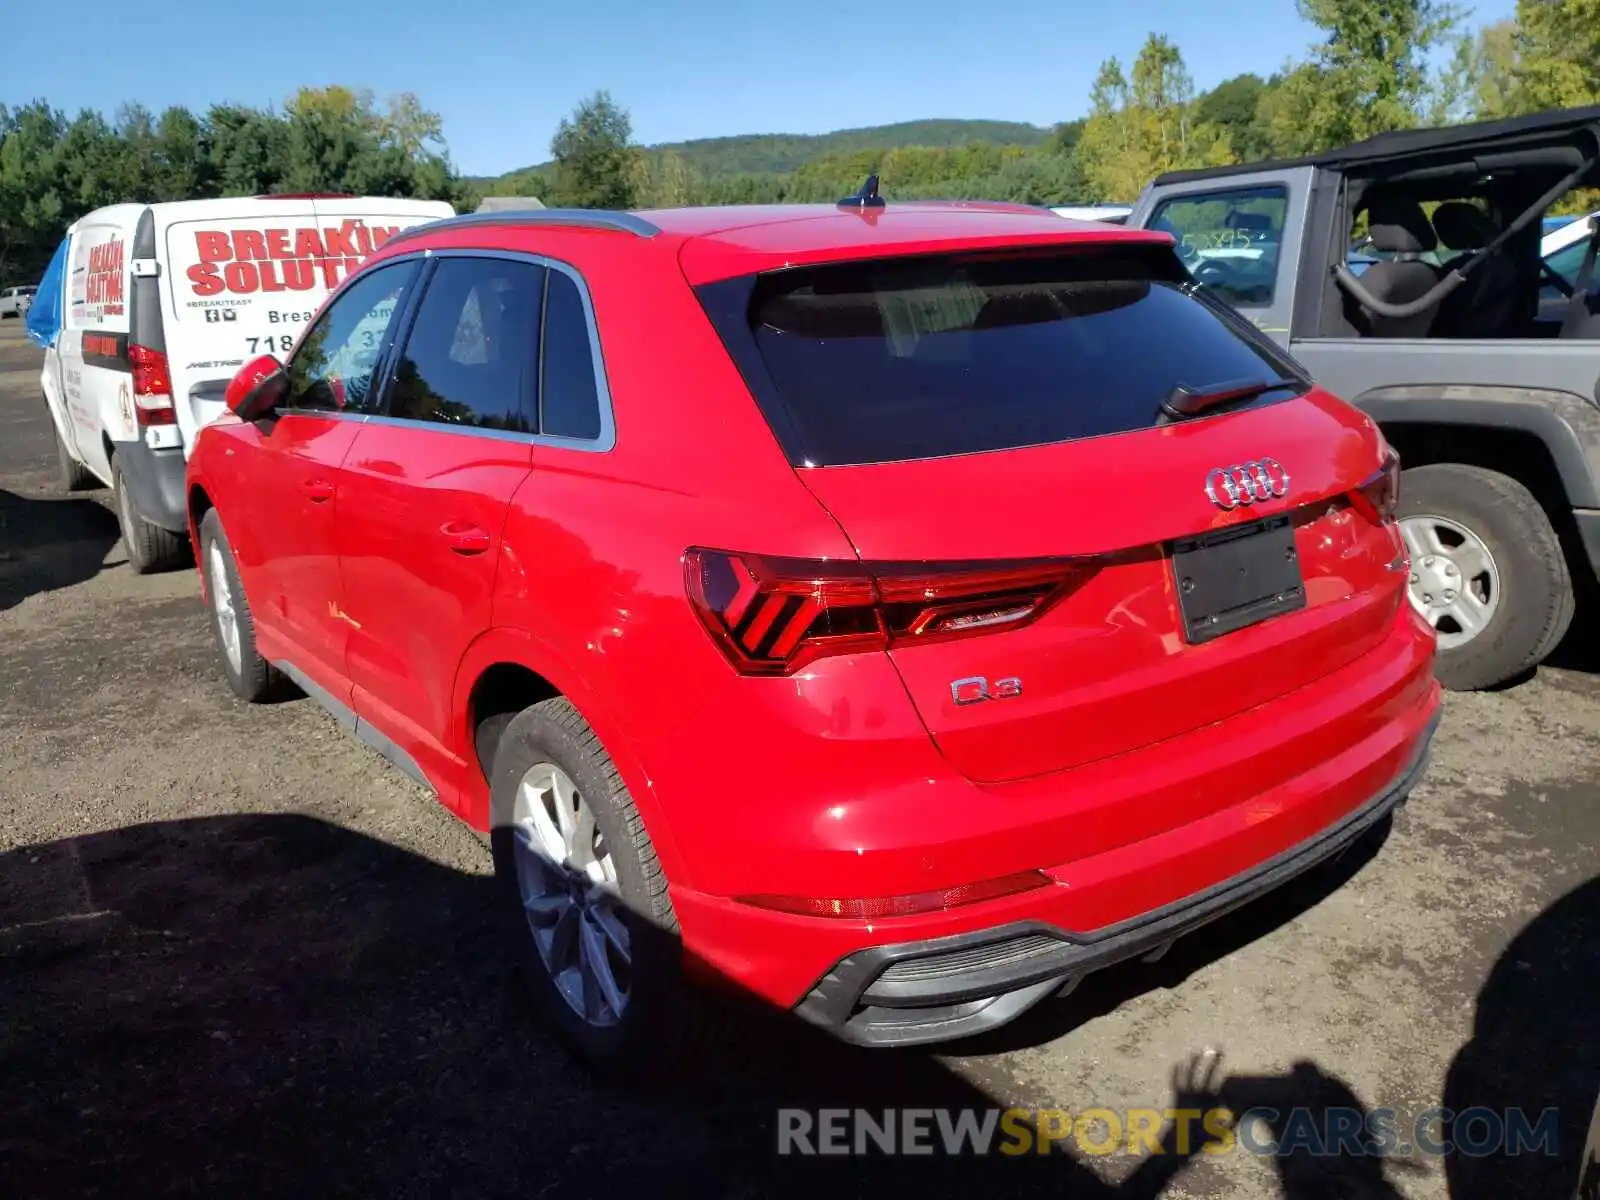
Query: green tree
[1145, 123]
[1480, 81]
[52, 171]
[669, 181]
[181, 156]
[248, 150]
[1558, 54]
[1369, 76]
[1234, 107]
[595, 159]
[29, 205]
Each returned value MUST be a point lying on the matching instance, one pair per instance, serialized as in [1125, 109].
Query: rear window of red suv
[905, 358]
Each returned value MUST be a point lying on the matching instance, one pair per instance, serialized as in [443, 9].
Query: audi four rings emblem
[1247, 483]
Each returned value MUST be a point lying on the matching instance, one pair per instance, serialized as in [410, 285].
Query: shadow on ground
[273, 1005]
[1535, 1046]
[49, 543]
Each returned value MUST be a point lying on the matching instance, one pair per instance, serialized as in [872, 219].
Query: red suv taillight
[771, 616]
[152, 387]
[1379, 496]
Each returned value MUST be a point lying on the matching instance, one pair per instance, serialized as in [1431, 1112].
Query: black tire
[254, 679]
[653, 1029]
[1536, 600]
[72, 474]
[150, 548]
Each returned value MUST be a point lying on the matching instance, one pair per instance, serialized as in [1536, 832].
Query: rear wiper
[1184, 402]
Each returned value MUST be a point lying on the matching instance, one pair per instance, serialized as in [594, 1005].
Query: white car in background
[1114, 214]
[1562, 250]
[14, 301]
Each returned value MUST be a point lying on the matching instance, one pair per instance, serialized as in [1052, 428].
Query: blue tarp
[44, 314]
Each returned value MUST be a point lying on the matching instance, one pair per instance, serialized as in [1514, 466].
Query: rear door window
[469, 359]
[891, 360]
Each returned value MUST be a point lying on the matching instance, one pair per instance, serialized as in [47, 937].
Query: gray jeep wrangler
[1404, 273]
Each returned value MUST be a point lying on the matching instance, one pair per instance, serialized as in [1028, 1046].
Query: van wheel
[73, 475]
[251, 677]
[582, 897]
[1487, 572]
[150, 548]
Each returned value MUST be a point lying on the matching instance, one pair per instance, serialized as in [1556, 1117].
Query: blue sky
[503, 74]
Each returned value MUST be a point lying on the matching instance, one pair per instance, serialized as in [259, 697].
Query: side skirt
[364, 730]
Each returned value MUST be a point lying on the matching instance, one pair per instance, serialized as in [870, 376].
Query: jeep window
[332, 368]
[469, 357]
[899, 359]
[1229, 240]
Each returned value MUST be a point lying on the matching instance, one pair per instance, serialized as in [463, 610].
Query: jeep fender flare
[1566, 424]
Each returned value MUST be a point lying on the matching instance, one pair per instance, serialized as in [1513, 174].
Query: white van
[156, 305]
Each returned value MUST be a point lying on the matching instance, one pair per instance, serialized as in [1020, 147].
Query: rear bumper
[916, 992]
[1126, 841]
[155, 482]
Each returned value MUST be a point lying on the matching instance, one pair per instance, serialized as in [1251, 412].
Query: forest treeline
[1368, 73]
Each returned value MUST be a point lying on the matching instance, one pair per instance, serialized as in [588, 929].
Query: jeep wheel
[582, 897]
[150, 548]
[1487, 572]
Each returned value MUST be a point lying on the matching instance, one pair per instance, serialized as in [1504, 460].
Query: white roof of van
[129, 214]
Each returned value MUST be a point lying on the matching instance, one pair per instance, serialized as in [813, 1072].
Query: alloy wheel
[568, 885]
[222, 605]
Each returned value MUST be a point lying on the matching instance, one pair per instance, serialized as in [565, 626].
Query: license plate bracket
[1232, 578]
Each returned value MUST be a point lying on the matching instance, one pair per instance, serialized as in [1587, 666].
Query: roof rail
[581, 218]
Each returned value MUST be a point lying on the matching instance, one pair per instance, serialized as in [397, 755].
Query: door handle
[317, 490]
[464, 538]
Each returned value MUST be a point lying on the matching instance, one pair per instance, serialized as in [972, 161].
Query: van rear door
[246, 276]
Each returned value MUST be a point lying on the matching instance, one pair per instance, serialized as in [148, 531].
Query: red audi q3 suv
[906, 608]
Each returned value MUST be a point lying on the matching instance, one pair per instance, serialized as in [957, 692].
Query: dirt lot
[240, 954]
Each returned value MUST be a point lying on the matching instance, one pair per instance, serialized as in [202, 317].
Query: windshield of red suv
[895, 359]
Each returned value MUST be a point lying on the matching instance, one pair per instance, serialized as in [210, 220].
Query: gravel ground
[239, 953]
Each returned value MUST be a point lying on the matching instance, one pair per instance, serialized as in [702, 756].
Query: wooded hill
[769, 153]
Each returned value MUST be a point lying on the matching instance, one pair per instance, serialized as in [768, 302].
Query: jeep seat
[1399, 229]
[1486, 305]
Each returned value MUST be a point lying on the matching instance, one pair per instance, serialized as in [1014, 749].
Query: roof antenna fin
[867, 197]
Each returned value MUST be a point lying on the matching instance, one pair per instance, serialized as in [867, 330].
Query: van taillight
[771, 616]
[1379, 495]
[152, 387]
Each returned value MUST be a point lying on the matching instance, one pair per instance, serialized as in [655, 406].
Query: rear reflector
[876, 908]
[771, 616]
[152, 387]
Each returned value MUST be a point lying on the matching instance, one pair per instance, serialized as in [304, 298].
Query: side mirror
[256, 388]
